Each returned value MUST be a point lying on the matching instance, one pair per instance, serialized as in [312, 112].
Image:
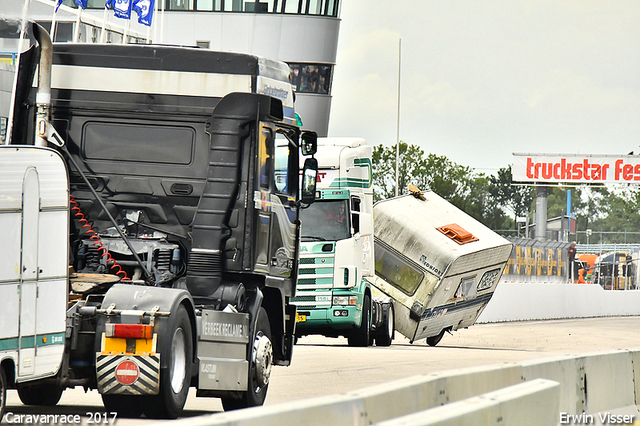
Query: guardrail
[572, 389]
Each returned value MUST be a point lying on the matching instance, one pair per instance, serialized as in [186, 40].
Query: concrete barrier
[533, 403]
[538, 301]
[588, 384]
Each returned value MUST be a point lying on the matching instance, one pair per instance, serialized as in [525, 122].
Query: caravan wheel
[434, 340]
[3, 392]
[44, 394]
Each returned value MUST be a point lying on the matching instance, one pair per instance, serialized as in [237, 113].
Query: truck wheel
[125, 405]
[362, 335]
[259, 368]
[3, 393]
[434, 340]
[175, 379]
[387, 333]
[46, 394]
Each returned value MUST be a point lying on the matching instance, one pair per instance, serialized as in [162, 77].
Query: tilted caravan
[439, 265]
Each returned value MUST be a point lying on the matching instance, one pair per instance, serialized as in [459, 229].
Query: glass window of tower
[311, 78]
[301, 7]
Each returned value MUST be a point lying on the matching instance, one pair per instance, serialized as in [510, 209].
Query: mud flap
[128, 374]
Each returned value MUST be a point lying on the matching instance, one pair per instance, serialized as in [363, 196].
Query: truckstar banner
[571, 168]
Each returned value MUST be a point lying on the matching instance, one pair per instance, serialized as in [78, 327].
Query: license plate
[300, 318]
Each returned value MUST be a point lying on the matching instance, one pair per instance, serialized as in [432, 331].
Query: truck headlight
[345, 300]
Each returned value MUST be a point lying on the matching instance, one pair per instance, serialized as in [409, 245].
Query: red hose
[111, 262]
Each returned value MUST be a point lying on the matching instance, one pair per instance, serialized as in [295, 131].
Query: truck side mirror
[309, 178]
[309, 143]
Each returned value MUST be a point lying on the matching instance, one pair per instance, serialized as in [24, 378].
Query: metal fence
[534, 260]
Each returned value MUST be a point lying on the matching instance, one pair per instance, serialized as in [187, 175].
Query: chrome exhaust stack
[43, 95]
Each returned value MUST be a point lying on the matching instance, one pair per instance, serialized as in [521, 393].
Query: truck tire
[260, 363]
[3, 393]
[44, 394]
[387, 334]
[175, 379]
[434, 340]
[125, 405]
[361, 336]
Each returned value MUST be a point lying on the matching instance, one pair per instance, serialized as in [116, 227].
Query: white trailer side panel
[34, 216]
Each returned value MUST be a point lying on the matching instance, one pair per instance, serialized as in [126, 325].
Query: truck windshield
[325, 221]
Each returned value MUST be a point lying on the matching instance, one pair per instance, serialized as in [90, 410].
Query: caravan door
[29, 272]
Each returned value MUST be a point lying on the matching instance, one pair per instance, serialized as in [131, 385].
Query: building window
[3, 128]
[311, 78]
[297, 7]
[205, 5]
[291, 6]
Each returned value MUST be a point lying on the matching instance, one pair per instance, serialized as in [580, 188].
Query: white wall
[535, 301]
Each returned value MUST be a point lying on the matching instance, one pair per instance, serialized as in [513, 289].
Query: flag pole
[53, 23]
[125, 32]
[162, 24]
[155, 24]
[76, 34]
[103, 33]
[23, 31]
[398, 118]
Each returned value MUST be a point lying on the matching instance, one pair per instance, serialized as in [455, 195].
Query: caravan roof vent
[457, 233]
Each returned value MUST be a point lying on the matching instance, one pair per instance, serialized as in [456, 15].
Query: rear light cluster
[129, 331]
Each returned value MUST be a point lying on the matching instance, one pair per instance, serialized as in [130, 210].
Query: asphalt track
[323, 366]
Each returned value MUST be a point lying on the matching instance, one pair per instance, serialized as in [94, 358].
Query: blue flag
[144, 9]
[82, 4]
[121, 8]
[58, 3]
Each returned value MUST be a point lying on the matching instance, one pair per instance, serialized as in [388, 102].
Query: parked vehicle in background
[615, 271]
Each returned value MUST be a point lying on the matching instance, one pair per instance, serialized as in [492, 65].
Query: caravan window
[397, 269]
[467, 288]
[488, 279]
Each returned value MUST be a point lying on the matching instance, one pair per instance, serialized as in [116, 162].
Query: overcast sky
[482, 79]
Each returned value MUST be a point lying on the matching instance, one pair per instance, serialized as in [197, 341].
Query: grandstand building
[303, 33]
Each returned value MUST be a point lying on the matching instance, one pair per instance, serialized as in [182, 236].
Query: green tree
[458, 184]
[515, 199]
[621, 217]
[411, 168]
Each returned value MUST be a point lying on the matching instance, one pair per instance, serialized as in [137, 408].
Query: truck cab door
[263, 199]
[275, 247]
[283, 210]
